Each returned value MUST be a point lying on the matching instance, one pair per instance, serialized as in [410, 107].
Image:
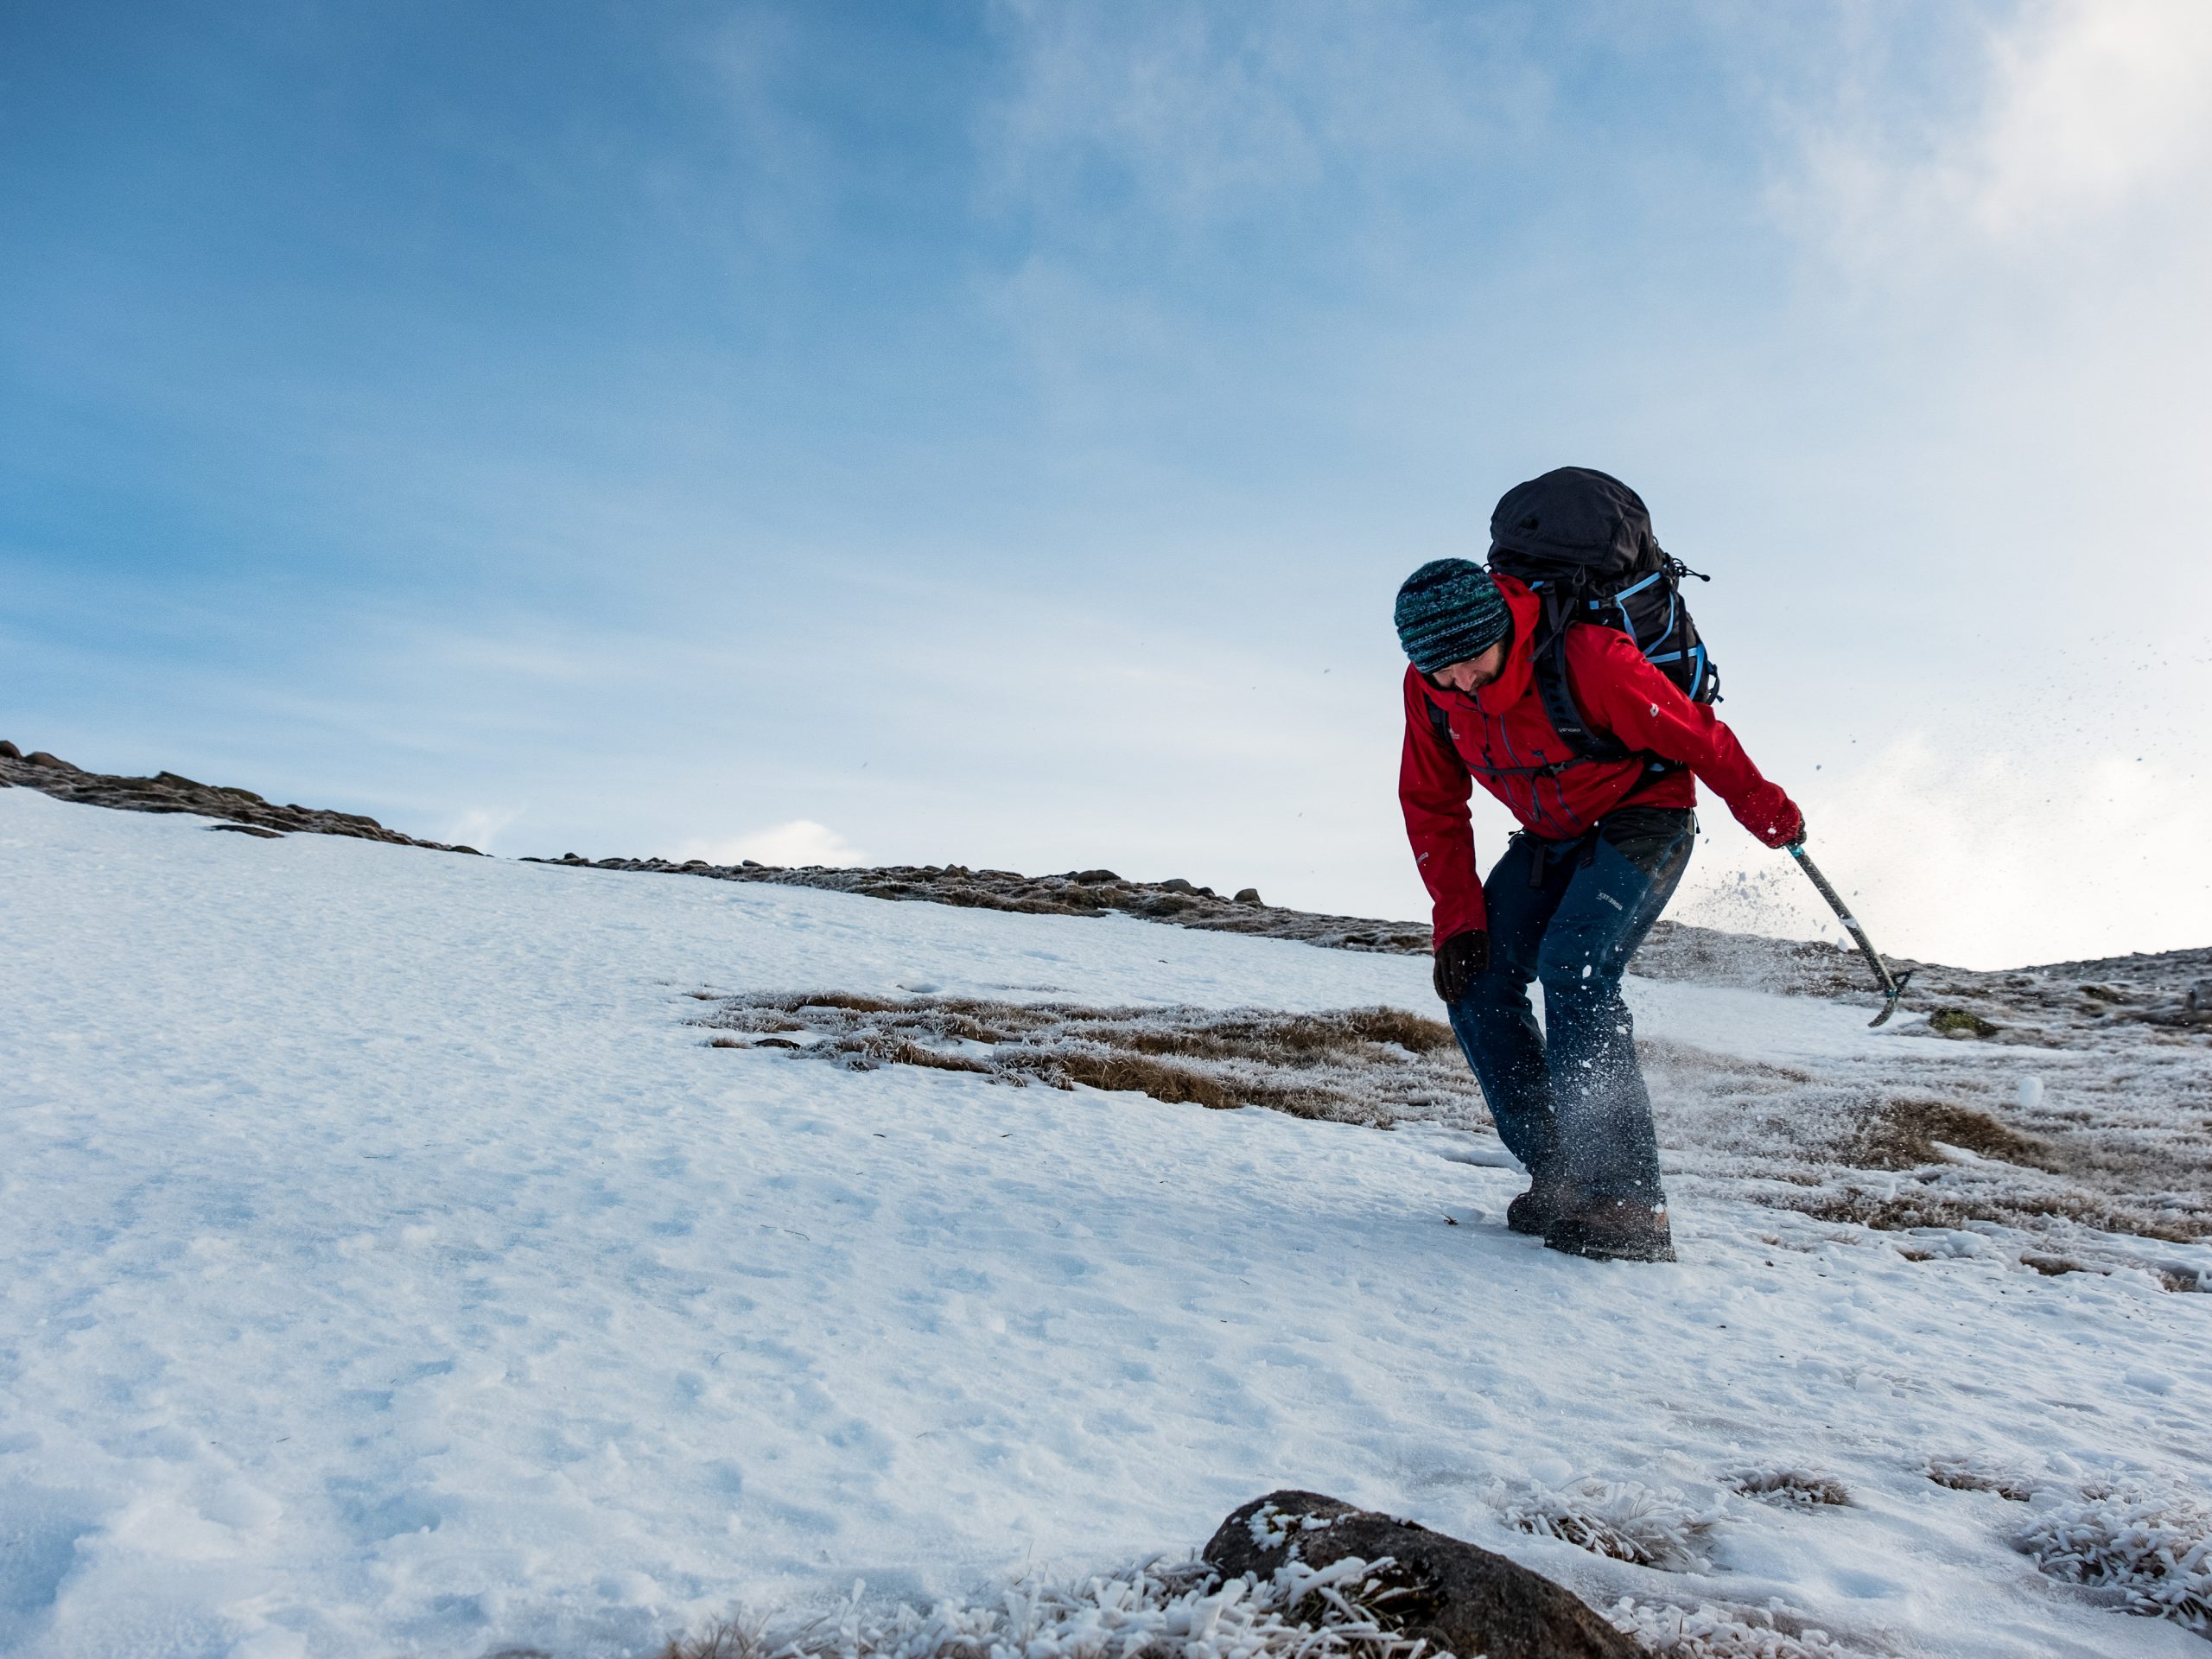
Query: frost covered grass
[1374, 1065]
[2150, 1551]
[1155, 1607]
[1617, 1518]
[1866, 1146]
[2100, 1172]
[1707, 1632]
[1800, 1488]
[2156, 1553]
[1977, 1475]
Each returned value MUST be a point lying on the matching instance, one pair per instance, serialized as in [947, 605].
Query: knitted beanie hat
[1448, 611]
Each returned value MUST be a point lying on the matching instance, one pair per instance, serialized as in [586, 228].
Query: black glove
[1458, 959]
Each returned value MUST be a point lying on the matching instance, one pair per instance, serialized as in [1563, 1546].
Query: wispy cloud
[480, 827]
[997, 434]
[2077, 113]
[1192, 114]
[801, 841]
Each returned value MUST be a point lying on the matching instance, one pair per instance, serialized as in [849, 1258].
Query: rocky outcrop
[1460, 1599]
[166, 791]
[1078, 893]
[2057, 1003]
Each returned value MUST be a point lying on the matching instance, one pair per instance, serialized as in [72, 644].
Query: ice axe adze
[1890, 987]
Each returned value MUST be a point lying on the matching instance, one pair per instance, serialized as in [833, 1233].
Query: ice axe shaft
[1891, 986]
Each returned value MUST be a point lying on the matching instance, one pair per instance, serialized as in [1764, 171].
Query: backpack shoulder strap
[1584, 737]
[1440, 724]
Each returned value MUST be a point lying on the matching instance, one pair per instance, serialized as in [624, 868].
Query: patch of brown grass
[1968, 1475]
[915, 1054]
[1141, 1074]
[1370, 1066]
[1948, 1207]
[1903, 1135]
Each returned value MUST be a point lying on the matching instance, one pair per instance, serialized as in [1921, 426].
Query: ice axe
[1889, 986]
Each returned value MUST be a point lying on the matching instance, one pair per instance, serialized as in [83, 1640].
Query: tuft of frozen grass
[1610, 1517]
[1711, 1632]
[2157, 1552]
[1970, 1474]
[1790, 1488]
[1157, 1608]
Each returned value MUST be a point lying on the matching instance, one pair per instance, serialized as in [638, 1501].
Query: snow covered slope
[390, 1267]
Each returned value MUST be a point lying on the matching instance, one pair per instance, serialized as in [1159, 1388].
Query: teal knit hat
[1448, 611]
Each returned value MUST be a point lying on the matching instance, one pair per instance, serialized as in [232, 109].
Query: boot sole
[1594, 1250]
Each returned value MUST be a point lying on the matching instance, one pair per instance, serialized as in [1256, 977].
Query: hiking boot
[1534, 1212]
[1613, 1229]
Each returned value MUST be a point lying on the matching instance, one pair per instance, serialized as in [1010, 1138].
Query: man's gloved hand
[1458, 959]
[1772, 817]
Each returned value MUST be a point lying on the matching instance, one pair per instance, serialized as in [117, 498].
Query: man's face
[1475, 673]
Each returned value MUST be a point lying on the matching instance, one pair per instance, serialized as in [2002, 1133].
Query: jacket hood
[1520, 673]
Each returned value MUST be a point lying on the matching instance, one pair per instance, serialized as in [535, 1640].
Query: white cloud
[2094, 100]
[800, 842]
[2082, 111]
[479, 827]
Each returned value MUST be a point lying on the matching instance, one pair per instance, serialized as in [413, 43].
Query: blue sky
[993, 432]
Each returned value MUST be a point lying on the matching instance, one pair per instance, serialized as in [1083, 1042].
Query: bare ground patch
[1375, 1066]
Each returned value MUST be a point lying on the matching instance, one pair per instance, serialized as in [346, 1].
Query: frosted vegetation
[1157, 1608]
[2119, 1171]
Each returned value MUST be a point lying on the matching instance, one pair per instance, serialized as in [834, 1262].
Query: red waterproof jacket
[1504, 726]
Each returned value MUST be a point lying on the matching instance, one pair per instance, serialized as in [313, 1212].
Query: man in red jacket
[1602, 847]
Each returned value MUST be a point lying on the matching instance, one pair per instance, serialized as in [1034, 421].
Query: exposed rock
[1248, 896]
[1078, 893]
[1960, 1022]
[169, 792]
[250, 830]
[1460, 1598]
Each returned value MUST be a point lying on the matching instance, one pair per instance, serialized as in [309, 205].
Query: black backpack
[1582, 542]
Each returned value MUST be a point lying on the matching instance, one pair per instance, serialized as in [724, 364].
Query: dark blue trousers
[1568, 1099]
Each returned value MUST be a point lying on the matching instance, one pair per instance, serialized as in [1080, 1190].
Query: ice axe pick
[1891, 986]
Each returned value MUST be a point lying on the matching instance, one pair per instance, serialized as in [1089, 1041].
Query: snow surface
[389, 1268]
